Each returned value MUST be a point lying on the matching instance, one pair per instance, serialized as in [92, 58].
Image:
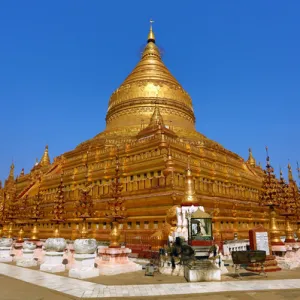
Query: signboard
[259, 239]
[262, 241]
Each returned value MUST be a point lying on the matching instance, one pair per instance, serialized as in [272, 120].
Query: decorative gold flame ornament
[84, 207]
[269, 197]
[59, 211]
[116, 209]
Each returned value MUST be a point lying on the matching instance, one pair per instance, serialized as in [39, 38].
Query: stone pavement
[84, 289]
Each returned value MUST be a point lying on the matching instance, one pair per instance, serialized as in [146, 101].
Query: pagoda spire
[190, 197]
[283, 189]
[251, 160]
[269, 191]
[45, 160]
[151, 36]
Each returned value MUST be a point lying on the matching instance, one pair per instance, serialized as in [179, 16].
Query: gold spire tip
[151, 36]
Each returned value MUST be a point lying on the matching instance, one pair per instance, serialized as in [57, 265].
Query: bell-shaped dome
[148, 85]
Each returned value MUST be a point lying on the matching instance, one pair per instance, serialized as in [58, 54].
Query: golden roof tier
[150, 84]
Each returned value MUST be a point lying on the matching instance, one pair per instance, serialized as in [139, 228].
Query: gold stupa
[150, 123]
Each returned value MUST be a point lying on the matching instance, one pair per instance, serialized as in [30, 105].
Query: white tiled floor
[79, 288]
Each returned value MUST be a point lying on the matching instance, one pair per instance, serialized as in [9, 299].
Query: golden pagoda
[153, 159]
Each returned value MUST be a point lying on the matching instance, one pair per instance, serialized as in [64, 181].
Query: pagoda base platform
[53, 262]
[114, 261]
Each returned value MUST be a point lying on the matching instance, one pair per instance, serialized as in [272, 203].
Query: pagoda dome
[150, 84]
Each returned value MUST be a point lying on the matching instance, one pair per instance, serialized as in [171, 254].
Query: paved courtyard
[22, 283]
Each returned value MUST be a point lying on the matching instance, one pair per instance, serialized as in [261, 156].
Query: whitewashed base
[84, 266]
[286, 264]
[178, 271]
[84, 273]
[26, 262]
[27, 259]
[5, 254]
[211, 274]
[115, 269]
[28, 254]
[291, 258]
[53, 262]
[114, 261]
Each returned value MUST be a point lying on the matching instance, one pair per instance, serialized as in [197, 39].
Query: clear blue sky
[61, 60]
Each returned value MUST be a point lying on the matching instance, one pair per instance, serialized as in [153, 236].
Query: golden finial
[12, 170]
[251, 159]
[22, 172]
[151, 37]
[45, 160]
[290, 174]
[36, 162]
[280, 172]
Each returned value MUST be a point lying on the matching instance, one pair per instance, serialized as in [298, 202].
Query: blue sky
[61, 60]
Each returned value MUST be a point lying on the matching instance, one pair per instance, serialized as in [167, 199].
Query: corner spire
[251, 161]
[151, 36]
[45, 160]
[156, 118]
